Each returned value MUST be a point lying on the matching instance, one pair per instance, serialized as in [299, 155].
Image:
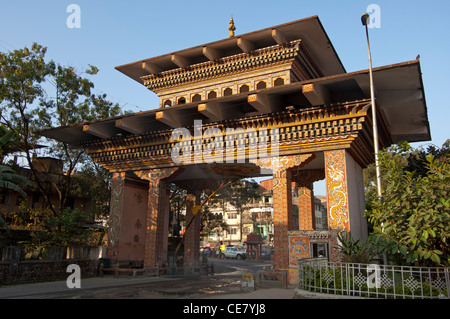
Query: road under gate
[226, 280]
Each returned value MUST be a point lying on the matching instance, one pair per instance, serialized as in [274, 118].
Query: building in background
[15, 207]
[257, 217]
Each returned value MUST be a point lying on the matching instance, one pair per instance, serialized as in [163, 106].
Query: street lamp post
[365, 19]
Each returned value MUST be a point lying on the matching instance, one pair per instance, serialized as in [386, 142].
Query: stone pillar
[282, 217]
[151, 257]
[283, 169]
[192, 235]
[157, 216]
[163, 224]
[306, 214]
[115, 215]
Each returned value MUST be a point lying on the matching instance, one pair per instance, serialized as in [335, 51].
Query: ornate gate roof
[317, 105]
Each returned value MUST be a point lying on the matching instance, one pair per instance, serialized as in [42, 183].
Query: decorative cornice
[299, 131]
[236, 64]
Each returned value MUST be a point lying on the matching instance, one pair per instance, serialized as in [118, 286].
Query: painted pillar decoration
[337, 196]
[115, 215]
[338, 217]
[298, 247]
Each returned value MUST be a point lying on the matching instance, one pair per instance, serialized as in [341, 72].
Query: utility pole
[365, 19]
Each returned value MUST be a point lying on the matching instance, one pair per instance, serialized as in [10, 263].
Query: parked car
[267, 253]
[237, 253]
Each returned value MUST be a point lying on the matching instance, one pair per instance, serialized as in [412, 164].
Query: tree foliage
[66, 229]
[354, 251]
[92, 183]
[413, 215]
[10, 180]
[35, 95]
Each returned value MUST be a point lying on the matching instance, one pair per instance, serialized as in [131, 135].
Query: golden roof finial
[231, 28]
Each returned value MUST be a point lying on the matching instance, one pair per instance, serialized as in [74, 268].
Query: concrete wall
[43, 270]
[132, 230]
[356, 202]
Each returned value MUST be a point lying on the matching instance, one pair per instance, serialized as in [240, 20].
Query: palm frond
[11, 186]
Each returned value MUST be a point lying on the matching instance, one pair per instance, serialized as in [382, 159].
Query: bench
[272, 279]
[131, 268]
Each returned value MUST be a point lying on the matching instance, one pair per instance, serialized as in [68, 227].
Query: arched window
[212, 95]
[196, 98]
[227, 91]
[244, 88]
[278, 82]
[261, 85]
[181, 100]
[167, 103]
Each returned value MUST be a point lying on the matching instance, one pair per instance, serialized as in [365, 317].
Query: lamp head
[365, 19]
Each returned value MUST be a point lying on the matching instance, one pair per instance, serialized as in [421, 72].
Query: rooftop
[399, 92]
[309, 30]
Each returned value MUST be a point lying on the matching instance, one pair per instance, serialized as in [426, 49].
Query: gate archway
[314, 124]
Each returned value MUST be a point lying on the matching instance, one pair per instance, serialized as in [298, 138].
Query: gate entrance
[274, 102]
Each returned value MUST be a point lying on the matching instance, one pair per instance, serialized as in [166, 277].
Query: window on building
[261, 85]
[278, 82]
[319, 223]
[167, 103]
[227, 91]
[319, 249]
[182, 100]
[232, 215]
[244, 88]
[196, 98]
[212, 95]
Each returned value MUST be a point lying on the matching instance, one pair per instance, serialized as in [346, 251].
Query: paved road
[226, 281]
[236, 268]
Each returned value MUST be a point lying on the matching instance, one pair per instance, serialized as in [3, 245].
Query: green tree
[93, 183]
[9, 179]
[212, 222]
[66, 229]
[413, 215]
[35, 95]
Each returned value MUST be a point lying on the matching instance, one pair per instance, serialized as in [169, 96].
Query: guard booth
[254, 246]
[275, 102]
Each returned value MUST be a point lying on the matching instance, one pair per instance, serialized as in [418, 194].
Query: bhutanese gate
[276, 101]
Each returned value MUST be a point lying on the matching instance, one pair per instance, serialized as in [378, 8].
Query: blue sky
[113, 33]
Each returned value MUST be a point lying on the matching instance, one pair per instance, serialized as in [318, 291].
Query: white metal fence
[373, 281]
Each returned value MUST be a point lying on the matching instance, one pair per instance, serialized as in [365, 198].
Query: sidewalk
[52, 287]
[260, 293]
[148, 288]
